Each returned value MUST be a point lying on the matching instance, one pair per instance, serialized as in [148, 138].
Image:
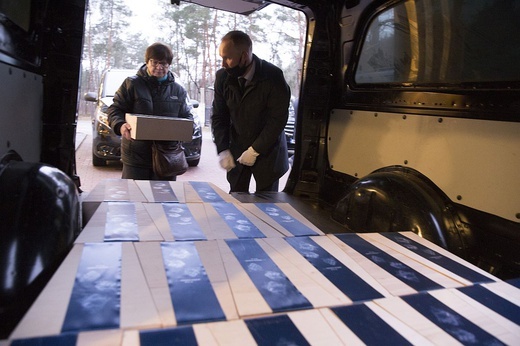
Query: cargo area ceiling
[244, 7]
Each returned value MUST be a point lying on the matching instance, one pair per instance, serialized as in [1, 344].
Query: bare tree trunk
[205, 56]
[89, 107]
[213, 62]
[110, 34]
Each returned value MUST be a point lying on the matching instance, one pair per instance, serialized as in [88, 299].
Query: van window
[420, 42]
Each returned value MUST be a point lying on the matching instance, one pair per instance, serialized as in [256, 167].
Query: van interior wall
[61, 65]
[21, 103]
[42, 55]
[306, 178]
[465, 141]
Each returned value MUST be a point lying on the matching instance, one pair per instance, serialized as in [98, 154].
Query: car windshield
[114, 79]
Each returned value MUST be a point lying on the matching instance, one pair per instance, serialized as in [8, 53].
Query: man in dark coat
[153, 91]
[248, 122]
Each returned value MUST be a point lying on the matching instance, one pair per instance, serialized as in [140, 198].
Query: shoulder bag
[168, 159]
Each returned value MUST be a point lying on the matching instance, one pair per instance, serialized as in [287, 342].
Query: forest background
[117, 33]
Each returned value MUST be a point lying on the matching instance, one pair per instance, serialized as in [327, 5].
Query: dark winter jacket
[255, 119]
[143, 94]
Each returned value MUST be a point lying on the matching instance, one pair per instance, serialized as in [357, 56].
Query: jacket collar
[249, 75]
[258, 73]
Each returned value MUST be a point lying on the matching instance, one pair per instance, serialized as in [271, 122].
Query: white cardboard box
[160, 128]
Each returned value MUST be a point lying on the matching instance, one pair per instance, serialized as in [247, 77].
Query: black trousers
[239, 179]
[142, 173]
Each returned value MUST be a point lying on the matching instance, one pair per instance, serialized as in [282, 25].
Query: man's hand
[248, 157]
[125, 131]
[225, 158]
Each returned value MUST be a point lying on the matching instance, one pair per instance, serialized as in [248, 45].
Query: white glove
[248, 157]
[225, 158]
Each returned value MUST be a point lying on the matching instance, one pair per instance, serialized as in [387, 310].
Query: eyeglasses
[156, 63]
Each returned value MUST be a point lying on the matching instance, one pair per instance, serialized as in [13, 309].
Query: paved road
[207, 170]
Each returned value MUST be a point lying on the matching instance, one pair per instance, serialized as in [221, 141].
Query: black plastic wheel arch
[40, 218]
[397, 198]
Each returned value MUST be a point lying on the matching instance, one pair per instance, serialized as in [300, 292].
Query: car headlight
[102, 117]
[196, 119]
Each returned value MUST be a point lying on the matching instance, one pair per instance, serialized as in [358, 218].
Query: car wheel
[193, 163]
[98, 162]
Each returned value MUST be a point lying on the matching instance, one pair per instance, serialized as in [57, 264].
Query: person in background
[152, 91]
[248, 122]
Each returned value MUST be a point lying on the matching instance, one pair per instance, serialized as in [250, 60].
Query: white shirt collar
[249, 75]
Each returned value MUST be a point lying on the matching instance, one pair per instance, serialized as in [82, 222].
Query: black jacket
[255, 119]
[143, 94]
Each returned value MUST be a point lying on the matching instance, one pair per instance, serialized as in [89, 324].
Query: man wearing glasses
[153, 91]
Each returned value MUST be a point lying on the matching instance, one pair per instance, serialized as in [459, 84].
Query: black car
[106, 145]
